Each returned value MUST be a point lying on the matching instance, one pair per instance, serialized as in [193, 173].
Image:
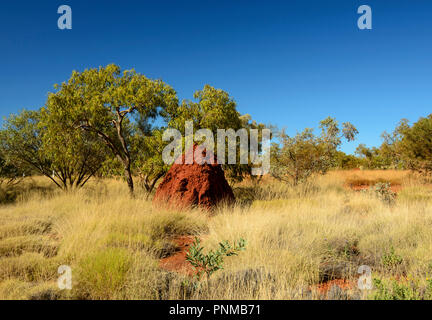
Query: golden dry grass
[296, 239]
[371, 177]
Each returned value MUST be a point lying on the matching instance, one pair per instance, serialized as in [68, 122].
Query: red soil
[344, 284]
[177, 262]
[200, 183]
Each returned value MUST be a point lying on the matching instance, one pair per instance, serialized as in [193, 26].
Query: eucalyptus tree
[104, 102]
[214, 109]
[296, 158]
[32, 142]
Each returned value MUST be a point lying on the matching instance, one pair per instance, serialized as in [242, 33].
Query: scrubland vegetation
[298, 238]
[77, 178]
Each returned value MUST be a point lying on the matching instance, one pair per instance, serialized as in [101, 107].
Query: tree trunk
[129, 180]
[126, 155]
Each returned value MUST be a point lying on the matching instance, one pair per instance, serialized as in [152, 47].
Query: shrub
[394, 290]
[212, 261]
[391, 259]
[383, 191]
[297, 158]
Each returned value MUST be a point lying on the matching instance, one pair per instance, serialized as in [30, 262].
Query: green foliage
[34, 142]
[147, 161]
[21, 142]
[391, 259]
[237, 173]
[102, 274]
[102, 102]
[391, 153]
[10, 176]
[75, 155]
[414, 146]
[212, 261]
[375, 158]
[100, 122]
[215, 109]
[296, 158]
[347, 161]
[407, 147]
[8, 172]
[394, 290]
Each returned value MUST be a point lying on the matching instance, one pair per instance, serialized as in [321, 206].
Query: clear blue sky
[288, 63]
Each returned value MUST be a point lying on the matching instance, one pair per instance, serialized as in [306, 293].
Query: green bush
[394, 290]
[212, 261]
[391, 259]
[382, 190]
[8, 194]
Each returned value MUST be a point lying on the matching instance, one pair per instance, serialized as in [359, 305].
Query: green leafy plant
[207, 264]
[394, 290]
[391, 259]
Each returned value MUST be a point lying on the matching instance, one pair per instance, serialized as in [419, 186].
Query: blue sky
[287, 63]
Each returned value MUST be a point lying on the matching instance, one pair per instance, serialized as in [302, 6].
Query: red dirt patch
[344, 284]
[395, 188]
[177, 262]
[198, 181]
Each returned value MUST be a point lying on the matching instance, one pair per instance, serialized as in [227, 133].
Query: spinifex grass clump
[212, 261]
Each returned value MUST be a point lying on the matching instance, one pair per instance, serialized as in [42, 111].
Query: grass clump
[102, 274]
[16, 246]
[29, 267]
[14, 289]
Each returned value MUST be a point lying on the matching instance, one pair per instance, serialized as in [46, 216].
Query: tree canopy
[296, 158]
[32, 143]
[103, 101]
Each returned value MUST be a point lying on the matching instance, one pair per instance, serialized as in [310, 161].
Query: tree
[75, 155]
[413, 144]
[147, 160]
[296, 158]
[21, 143]
[10, 177]
[215, 109]
[9, 174]
[238, 172]
[347, 161]
[374, 158]
[33, 143]
[103, 101]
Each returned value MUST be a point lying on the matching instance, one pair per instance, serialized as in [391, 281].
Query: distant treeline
[407, 147]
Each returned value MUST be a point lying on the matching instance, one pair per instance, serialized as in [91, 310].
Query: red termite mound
[197, 181]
